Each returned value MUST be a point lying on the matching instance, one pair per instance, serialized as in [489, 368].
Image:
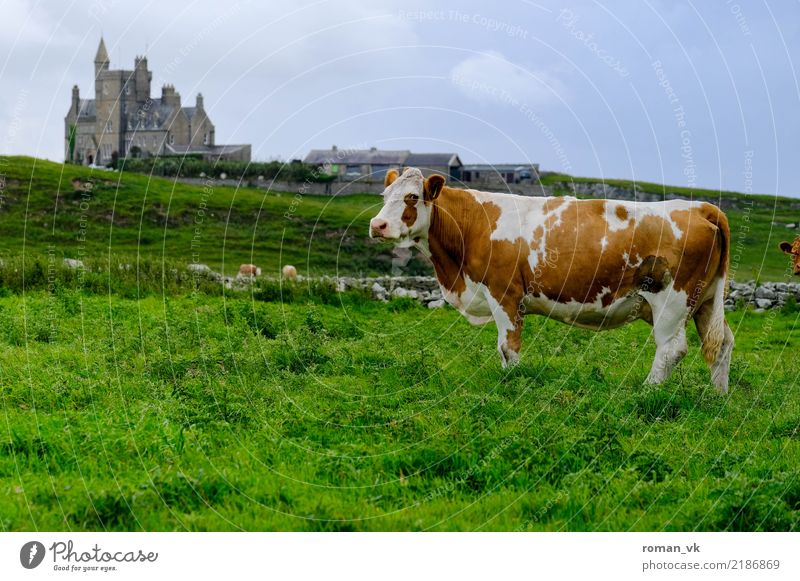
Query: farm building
[372, 164]
[488, 174]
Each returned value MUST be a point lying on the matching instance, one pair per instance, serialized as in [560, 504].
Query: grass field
[135, 397]
[129, 217]
[132, 217]
[214, 413]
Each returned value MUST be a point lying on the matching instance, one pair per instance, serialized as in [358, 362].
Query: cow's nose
[378, 226]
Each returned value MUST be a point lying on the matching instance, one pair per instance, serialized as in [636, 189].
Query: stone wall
[305, 188]
[608, 191]
[768, 295]
[582, 189]
[425, 289]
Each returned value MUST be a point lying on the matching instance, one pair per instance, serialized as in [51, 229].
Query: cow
[793, 250]
[249, 270]
[596, 264]
[289, 272]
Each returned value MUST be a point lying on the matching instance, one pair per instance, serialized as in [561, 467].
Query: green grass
[128, 217]
[197, 412]
[132, 216]
[138, 397]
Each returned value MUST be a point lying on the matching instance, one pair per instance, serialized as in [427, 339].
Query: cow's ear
[391, 175]
[786, 247]
[433, 186]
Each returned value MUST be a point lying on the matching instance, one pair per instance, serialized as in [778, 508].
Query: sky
[696, 94]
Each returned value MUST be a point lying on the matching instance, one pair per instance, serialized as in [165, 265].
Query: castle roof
[87, 109]
[207, 150]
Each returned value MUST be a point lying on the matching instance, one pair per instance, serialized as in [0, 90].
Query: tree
[71, 142]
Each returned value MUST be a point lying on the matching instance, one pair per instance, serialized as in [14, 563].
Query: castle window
[109, 126]
[127, 89]
[205, 139]
[171, 139]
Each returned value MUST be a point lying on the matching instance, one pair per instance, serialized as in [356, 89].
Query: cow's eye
[413, 198]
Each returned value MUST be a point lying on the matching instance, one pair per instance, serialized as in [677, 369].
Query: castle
[124, 121]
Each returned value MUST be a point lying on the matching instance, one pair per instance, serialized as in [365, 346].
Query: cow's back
[577, 250]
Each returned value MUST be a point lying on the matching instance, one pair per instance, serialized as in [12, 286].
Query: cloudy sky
[689, 93]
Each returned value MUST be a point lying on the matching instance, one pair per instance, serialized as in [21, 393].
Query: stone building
[124, 120]
[372, 164]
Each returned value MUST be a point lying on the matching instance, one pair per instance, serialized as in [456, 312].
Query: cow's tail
[714, 327]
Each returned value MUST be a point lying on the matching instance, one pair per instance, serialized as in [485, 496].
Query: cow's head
[793, 250]
[407, 205]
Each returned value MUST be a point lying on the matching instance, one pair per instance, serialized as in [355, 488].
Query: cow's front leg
[508, 319]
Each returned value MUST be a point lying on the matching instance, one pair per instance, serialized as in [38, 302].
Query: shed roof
[376, 156]
[357, 156]
[433, 160]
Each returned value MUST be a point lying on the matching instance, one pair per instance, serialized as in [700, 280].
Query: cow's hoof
[509, 359]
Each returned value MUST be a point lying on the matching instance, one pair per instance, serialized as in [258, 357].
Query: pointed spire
[102, 53]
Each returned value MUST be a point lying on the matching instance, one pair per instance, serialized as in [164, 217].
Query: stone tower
[108, 93]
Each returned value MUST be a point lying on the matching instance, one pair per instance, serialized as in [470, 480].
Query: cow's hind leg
[716, 337]
[669, 331]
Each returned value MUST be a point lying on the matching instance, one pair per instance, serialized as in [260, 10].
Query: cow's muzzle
[378, 228]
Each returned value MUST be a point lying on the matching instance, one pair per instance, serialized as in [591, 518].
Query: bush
[194, 167]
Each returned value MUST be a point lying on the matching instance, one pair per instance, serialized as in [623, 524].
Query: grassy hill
[93, 213]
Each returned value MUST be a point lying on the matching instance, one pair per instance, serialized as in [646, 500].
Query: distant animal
[596, 264]
[289, 272]
[793, 250]
[249, 270]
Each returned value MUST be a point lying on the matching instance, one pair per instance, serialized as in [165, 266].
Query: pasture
[129, 217]
[329, 411]
[136, 397]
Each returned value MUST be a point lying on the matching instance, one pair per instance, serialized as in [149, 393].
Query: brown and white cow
[249, 270]
[793, 250]
[596, 264]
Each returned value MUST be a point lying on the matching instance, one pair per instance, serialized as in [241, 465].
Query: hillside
[92, 213]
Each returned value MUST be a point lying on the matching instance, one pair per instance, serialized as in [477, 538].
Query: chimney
[76, 98]
[169, 96]
[199, 103]
[334, 148]
[143, 78]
